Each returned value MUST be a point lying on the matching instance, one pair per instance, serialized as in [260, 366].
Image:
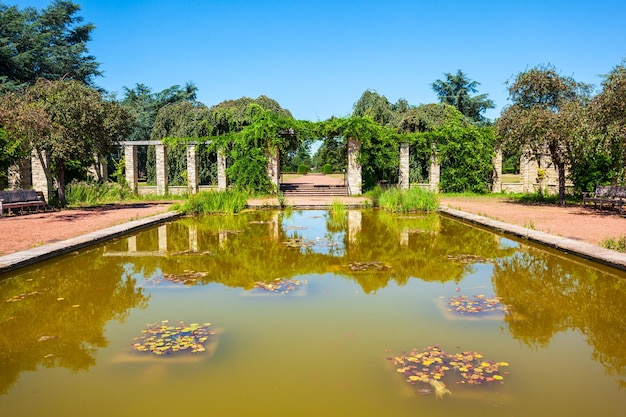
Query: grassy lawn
[511, 178]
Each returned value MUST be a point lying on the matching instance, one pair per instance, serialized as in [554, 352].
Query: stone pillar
[130, 162]
[41, 181]
[273, 166]
[222, 182]
[20, 175]
[192, 169]
[528, 169]
[161, 169]
[403, 180]
[434, 173]
[497, 170]
[354, 168]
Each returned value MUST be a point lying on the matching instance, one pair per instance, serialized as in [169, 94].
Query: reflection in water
[551, 295]
[371, 281]
[55, 318]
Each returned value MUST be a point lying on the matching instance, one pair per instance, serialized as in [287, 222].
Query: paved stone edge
[31, 256]
[585, 250]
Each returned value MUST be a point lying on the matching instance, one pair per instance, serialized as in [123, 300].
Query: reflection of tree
[68, 307]
[549, 295]
[248, 251]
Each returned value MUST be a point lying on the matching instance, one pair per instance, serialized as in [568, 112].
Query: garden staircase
[312, 190]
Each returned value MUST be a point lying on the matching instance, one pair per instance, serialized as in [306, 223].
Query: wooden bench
[21, 199]
[609, 194]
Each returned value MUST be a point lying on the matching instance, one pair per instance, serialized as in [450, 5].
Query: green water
[67, 326]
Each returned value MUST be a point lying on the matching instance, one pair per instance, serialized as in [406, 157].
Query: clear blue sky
[316, 57]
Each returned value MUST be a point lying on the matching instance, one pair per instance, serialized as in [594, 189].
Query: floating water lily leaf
[282, 286]
[186, 277]
[161, 339]
[465, 258]
[369, 266]
[20, 297]
[478, 304]
[431, 365]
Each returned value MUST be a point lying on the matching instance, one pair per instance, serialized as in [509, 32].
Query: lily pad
[162, 339]
[281, 286]
[476, 305]
[431, 365]
[369, 266]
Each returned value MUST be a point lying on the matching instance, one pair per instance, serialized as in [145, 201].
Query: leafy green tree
[379, 109]
[50, 44]
[455, 90]
[333, 152]
[182, 120]
[144, 105]
[547, 107]
[66, 120]
[608, 117]
[291, 160]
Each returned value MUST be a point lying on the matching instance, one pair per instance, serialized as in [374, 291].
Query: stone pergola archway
[162, 186]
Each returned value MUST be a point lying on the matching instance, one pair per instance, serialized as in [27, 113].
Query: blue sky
[317, 57]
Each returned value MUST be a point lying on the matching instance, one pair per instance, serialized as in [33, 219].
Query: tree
[65, 121]
[379, 109]
[608, 119]
[456, 90]
[50, 44]
[546, 110]
[181, 120]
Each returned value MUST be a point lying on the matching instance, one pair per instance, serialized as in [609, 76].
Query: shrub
[402, 201]
[206, 202]
[91, 193]
[327, 169]
[303, 169]
[615, 244]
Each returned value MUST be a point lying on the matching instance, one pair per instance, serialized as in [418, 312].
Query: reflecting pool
[310, 313]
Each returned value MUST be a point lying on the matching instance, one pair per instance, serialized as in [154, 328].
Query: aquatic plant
[478, 304]
[206, 202]
[403, 201]
[432, 364]
[162, 339]
[282, 286]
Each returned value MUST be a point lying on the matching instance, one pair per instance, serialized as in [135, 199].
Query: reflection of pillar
[354, 225]
[162, 231]
[130, 162]
[497, 170]
[192, 169]
[275, 226]
[223, 238]
[273, 165]
[222, 182]
[404, 237]
[132, 244]
[161, 169]
[434, 173]
[403, 181]
[354, 168]
[193, 238]
[41, 181]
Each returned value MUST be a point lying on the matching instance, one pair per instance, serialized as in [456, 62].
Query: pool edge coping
[575, 247]
[34, 255]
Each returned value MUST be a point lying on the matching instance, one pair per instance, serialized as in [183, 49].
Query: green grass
[403, 201]
[83, 193]
[206, 202]
[615, 244]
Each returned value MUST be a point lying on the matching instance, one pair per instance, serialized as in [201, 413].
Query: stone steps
[290, 189]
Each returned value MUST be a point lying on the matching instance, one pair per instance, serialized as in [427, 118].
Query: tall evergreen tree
[456, 89]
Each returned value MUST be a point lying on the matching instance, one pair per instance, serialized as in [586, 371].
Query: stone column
[497, 170]
[104, 168]
[403, 180]
[222, 181]
[161, 169]
[20, 175]
[192, 169]
[273, 166]
[130, 162]
[434, 173]
[41, 181]
[528, 169]
[354, 168]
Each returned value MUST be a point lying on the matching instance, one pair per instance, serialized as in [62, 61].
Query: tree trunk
[61, 178]
[561, 170]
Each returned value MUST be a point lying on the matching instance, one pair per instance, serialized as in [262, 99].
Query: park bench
[612, 195]
[12, 200]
